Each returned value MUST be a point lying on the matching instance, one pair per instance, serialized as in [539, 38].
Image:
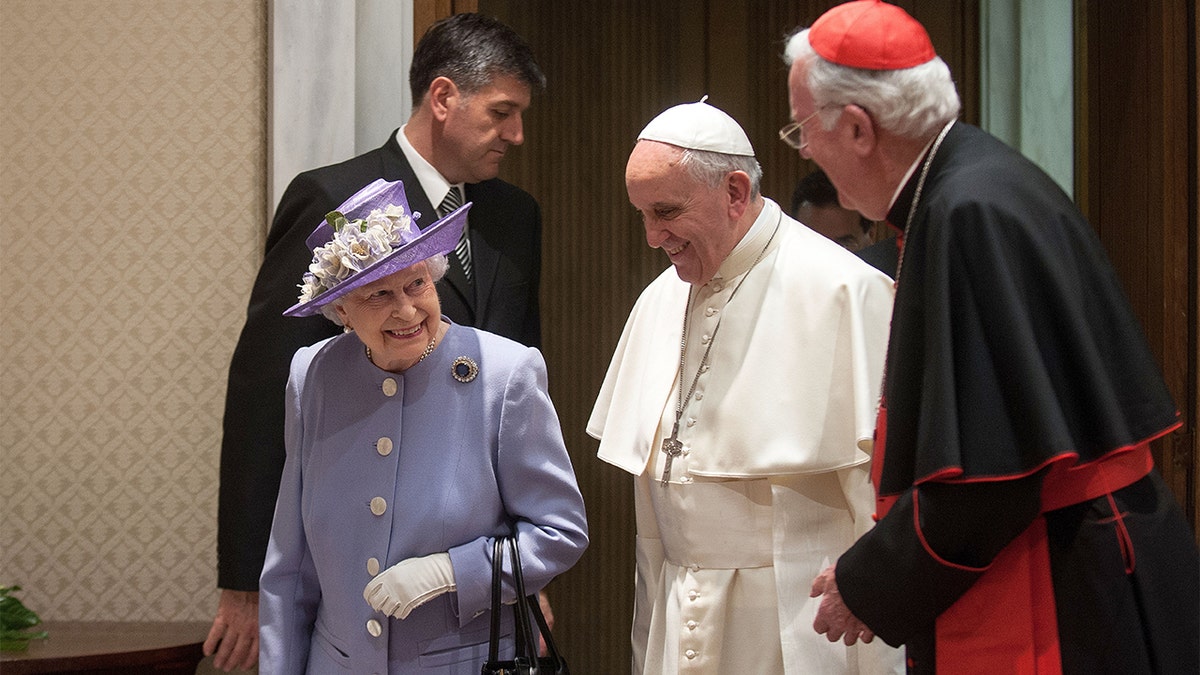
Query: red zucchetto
[872, 35]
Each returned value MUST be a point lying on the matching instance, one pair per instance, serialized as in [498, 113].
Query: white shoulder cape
[795, 373]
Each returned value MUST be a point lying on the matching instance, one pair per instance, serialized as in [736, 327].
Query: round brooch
[464, 369]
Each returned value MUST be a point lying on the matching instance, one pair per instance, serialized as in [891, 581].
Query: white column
[338, 82]
[1027, 81]
[385, 46]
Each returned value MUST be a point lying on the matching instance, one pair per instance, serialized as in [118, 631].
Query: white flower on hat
[355, 246]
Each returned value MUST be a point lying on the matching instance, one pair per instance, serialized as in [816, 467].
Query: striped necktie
[462, 251]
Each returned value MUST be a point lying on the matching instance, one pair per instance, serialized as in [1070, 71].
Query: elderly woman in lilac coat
[412, 443]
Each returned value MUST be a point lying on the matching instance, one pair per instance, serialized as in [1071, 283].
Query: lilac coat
[372, 479]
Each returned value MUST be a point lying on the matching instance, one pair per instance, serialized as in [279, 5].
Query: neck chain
[428, 349]
[672, 446]
[912, 209]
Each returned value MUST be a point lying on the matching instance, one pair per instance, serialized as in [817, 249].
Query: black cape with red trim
[1013, 348]
[1012, 342]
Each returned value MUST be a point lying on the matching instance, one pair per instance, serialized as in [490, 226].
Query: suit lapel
[485, 258]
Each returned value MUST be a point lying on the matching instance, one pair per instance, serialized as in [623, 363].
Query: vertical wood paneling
[1141, 192]
[1193, 268]
[611, 67]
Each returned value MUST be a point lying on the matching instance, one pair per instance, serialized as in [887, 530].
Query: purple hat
[368, 237]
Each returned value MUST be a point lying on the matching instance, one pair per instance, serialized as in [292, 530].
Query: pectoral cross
[673, 448]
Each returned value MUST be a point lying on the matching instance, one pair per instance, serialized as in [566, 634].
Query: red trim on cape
[1066, 483]
[1007, 621]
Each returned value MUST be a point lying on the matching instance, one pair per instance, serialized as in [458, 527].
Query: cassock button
[384, 446]
[705, 339]
[691, 625]
[372, 566]
[374, 628]
[691, 653]
[389, 387]
[695, 568]
[685, 480]
[378, 506]
[692, 595]
[699, 396]
[691, 421]
[710, 311]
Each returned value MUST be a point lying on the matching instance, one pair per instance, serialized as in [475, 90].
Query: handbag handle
[526, 652]
[526, 645]
[534, 608]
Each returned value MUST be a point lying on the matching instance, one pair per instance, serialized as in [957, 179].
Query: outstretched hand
[234, 633]
[834, 619]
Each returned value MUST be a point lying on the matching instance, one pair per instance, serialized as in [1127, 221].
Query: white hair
[437, 266]
[910, 102]
[710, 168]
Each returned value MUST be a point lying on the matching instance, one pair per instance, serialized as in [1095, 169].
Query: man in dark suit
[471, 78]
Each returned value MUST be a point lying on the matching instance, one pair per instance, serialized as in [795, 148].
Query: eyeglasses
[793, 134]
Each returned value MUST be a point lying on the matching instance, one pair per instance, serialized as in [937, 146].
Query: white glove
[410, 583]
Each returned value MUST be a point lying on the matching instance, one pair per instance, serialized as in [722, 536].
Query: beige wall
[132, 183]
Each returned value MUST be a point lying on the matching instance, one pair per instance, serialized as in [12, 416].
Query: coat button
[378, 506]
[691, 653]
[384, 446]
[374, 628]
[691, 625]
[372, 566]
[389, 387]
[692, 595]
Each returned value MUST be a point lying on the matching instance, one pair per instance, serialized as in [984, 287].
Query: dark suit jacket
[882, 255]
[505, 233]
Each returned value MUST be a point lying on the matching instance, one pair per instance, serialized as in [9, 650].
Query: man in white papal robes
[742, 397]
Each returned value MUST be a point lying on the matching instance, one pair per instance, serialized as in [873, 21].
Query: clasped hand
[834, 619]
[410, 583]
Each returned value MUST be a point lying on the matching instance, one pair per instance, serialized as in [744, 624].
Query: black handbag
[525, 661]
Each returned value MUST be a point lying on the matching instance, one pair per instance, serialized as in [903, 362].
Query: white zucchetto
[698, 126]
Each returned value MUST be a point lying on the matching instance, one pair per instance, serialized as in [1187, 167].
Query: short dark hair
[816, 189]
[471, 50]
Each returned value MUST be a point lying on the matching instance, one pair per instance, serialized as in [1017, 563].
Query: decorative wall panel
[132, 154]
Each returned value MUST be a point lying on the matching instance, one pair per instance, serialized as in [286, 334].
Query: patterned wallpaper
[132, 187]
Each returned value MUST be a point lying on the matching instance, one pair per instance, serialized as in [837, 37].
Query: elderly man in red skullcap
[1022, 525]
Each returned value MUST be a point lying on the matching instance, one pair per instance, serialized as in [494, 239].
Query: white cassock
[772, 484]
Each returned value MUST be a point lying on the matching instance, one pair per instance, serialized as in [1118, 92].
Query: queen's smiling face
[395, 317]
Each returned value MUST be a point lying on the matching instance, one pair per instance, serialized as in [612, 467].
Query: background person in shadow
[472, 77]
[815, 203]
